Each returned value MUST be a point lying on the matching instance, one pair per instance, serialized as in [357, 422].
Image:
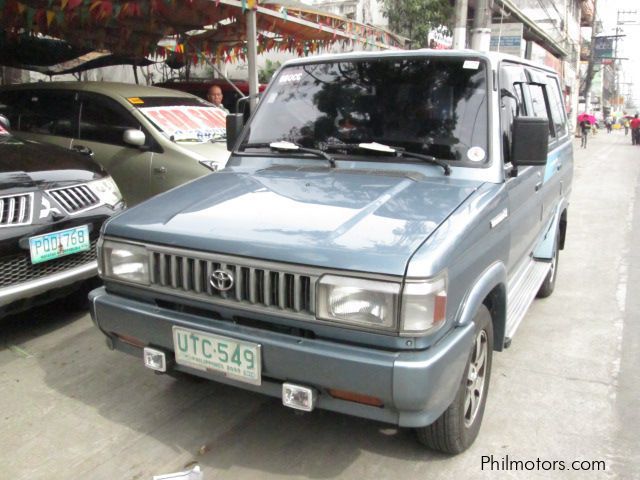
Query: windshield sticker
[183, 122]
[135, 100]
[272, 97]
[290, 77]
[476, 154]
[471, 65]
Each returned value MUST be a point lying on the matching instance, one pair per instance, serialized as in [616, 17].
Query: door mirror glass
[530, 143]
[134, 137]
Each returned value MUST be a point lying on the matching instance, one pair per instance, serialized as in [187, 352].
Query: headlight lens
[424, 305]
[107, 191]
[356, 301]
[124, 261]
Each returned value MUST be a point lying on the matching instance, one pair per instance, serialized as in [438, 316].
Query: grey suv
[149, 139]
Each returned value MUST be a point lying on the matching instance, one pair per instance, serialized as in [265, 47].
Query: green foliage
[265, 73]
[415, 18]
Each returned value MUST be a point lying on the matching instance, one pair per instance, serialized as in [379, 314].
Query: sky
[628, 45]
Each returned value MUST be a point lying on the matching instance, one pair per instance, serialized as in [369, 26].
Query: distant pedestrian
[625, 124]
[635, 130]
[585, 127]
[608, 124]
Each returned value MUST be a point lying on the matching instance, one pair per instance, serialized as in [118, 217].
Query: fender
[544, 249]
[492, 281]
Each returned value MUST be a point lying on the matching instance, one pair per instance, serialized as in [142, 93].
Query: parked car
[200, 87]
[53, 203]
[149, 139]
[382, 226]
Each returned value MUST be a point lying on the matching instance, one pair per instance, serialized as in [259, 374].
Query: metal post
[460, 24]
[252, 56]
[481, 34]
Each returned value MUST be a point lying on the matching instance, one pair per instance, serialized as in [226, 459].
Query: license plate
[235, 359]
[58, 244]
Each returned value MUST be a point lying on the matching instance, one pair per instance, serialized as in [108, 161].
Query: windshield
[433, 106]
[183, 118]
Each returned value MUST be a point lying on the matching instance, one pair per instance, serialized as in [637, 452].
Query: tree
[416, 18]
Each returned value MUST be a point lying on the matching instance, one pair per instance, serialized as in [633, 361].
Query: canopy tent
[219, 30]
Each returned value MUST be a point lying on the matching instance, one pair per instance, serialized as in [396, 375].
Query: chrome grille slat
[255, 287]
[16, 210]
[75, 199]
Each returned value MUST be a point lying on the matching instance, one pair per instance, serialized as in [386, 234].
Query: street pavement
[566, 390]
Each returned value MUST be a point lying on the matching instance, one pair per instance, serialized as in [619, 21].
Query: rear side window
[103, 120]
[46, 112]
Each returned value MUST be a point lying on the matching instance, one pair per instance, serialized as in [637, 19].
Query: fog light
[155, 359]
[300, 398]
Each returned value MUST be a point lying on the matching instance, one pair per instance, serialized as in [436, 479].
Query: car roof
[113, 89]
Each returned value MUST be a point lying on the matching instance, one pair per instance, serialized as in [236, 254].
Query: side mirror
[4, 122]
[235, 123]
[134, 137]
[530, 141]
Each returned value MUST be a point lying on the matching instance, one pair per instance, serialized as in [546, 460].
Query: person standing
[214, 95]
[635, 130]
[585, 126]
[625, 124]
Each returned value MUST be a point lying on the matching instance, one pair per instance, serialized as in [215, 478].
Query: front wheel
[456, 429]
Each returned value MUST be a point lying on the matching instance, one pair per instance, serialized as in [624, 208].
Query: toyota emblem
[221, 280]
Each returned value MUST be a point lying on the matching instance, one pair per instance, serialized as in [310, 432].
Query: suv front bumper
[416, 386]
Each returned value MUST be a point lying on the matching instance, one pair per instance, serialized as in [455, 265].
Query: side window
[540, 106]
[512, 103]
[103, 120]
[47, 112]
[557, 110]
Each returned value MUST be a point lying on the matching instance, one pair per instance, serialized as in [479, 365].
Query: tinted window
[539, 105]
[46, 112]
[512, 103]
[556, 107]
[432, 106]
[103, 120]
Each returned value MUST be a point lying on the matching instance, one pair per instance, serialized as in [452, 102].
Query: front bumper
[32, 288]
[415, 386]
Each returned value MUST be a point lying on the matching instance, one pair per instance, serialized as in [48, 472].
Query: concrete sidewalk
[566, 390]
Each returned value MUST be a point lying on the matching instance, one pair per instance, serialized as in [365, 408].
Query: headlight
[107, 191]
[356, 301]
[424, 305]
[124, 261]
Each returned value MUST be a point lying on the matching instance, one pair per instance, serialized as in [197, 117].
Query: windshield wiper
[397, 151]
[284, 146]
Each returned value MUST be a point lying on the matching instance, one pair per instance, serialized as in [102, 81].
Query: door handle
[559, 166]
[83, 150]
[160, 170]
[538, 186]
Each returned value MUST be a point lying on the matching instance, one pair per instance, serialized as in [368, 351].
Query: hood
[334, 218]
[215, 151]
[28, 164]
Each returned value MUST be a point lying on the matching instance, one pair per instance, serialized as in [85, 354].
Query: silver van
[149, 139]
[381, 228]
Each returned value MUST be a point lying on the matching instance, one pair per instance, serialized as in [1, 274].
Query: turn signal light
[130, 340]
[356, 397]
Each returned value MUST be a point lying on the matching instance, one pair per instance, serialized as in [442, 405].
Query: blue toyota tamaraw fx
[382, 226]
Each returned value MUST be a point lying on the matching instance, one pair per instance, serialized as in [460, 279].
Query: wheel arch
[489, 290]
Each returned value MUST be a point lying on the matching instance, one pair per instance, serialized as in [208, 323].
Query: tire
[457, 428]
[549, 284]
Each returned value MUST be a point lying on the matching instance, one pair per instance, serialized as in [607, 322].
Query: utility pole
[481, 33]
[460, 24]
[592, 57]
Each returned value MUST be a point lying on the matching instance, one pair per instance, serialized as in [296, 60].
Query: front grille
[16, 210]
[270, 287]
[75, 199]
[18, 268]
